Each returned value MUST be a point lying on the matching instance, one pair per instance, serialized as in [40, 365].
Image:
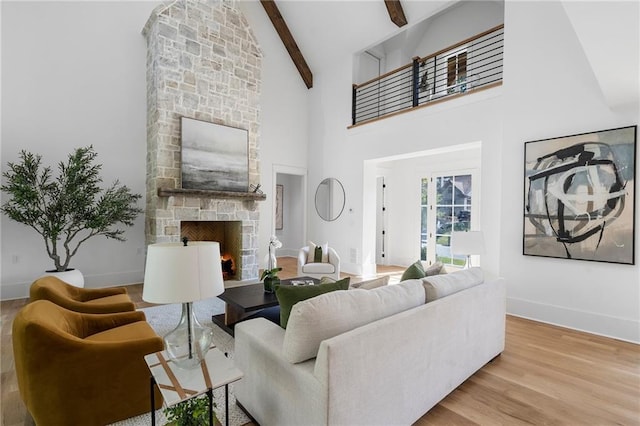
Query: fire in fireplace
[228, 266]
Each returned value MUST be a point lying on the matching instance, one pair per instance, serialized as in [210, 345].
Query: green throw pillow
[317, 255]
[414, 271]
[289, 295]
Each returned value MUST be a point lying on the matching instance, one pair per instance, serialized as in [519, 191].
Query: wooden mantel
[203, 193]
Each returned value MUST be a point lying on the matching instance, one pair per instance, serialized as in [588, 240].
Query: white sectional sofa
[336, 364]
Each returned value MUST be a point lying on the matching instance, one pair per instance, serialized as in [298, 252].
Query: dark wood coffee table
[246, 300]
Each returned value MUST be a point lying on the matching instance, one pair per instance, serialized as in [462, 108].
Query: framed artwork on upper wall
[214, 157]
[579, 196]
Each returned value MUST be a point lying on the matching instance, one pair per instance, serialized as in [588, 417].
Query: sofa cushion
[435, 269]
[438, 286]
[289, 295]
[413, 272]
[318, 268]
[371, 284]
[331, 314]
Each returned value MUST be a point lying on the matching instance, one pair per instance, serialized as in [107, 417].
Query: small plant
[192, 412]
[70, 209]
[270, 273]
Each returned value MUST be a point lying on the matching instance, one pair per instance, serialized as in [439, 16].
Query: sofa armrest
[273, 390]
[334, 259]
[302, 259]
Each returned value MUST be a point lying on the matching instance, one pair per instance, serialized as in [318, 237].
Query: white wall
[453, 25]
[73, 74]
[284, 126]
[551, 91]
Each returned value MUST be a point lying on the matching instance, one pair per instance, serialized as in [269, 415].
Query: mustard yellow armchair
[82, 369]
[90, 301]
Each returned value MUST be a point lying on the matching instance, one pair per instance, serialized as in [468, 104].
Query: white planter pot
[70, 276]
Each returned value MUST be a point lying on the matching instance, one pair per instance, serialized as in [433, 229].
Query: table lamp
[183, 273]
[467, 243]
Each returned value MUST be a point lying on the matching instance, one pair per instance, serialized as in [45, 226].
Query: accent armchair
[90, 301]
[82, 369]
[331, 268]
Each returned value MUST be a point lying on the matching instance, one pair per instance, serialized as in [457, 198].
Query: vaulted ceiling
[325, 29]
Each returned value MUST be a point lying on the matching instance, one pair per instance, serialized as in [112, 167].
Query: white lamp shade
[467, 243]
[175, 273]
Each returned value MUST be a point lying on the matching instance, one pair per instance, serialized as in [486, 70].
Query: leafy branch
[69, 209]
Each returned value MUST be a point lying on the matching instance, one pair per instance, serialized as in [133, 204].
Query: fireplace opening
[228, 266]
[227, 233]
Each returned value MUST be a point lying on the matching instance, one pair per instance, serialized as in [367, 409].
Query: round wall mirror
[330, 199]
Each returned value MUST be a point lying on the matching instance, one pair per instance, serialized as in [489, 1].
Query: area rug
[163, 319]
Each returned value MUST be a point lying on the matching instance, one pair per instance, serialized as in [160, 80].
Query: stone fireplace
[202, 62]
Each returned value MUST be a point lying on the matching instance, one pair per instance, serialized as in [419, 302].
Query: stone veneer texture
[202, 62]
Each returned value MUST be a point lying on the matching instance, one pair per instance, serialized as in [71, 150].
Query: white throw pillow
[437, 286]
[328, 315]
[312, 250]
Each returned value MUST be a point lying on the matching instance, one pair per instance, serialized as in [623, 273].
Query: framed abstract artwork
[214, 157]
[579, 196]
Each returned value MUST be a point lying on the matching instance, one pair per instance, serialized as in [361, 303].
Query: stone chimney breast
[203, 62]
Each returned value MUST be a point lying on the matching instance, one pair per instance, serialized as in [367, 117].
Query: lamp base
[467, 263]
[189, 342]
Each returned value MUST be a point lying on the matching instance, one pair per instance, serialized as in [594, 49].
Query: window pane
[451, 70]
[443, 220]
[443, 249]
[425, 187]
[462, 221]
[462, 65]
[424, 209]
[462, 190]
[445, 190]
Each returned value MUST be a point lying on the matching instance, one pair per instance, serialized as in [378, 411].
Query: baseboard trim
[20, 290]
[627, 330]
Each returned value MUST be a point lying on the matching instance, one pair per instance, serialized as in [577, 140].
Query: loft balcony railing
[468, 66]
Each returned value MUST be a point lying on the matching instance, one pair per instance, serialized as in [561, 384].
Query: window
[456, 71]
[424, 210]
[451, 209]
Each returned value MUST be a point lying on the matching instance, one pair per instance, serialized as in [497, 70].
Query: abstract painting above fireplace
[214, 157]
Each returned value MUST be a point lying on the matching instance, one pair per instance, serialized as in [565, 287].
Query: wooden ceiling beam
[395, 12]
[289, 43]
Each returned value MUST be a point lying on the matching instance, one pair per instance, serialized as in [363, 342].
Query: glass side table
[179, 384]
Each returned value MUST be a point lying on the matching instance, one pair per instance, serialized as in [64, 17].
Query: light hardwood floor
[547, 375]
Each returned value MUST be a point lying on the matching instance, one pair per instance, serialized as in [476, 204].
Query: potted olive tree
[69, 209]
